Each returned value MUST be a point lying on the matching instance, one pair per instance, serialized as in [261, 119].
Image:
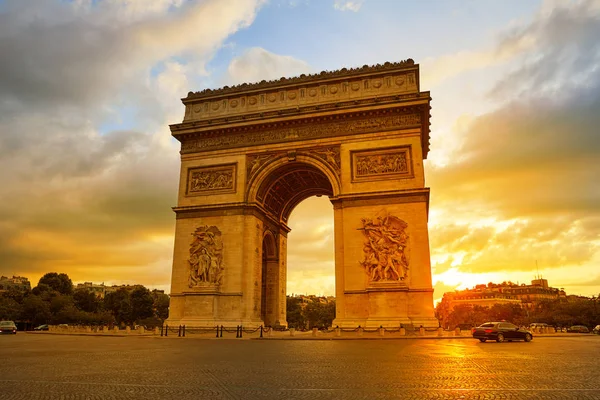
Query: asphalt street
[45, 366]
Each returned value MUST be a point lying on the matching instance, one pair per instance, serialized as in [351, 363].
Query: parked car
[8, 327]
[596, 330]
[578, 329]
[501, 331]
[41, 328]
[538, 325]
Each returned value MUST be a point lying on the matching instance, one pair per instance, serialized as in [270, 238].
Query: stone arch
[275, 186]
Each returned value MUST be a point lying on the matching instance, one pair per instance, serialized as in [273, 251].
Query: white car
[596, 330]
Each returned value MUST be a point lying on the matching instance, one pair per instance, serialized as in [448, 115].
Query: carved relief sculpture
[331, 155]
[206, 257]
[385, 248]
[382, 164]
[210, 179]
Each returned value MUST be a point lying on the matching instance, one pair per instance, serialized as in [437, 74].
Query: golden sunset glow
[89, 171]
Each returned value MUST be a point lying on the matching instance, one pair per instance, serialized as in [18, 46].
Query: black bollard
[237, 331]
[261, 331]
[241, 331]
[221, 330]
[179, 331]
[166, 330]
[162, 328]
[217, 330]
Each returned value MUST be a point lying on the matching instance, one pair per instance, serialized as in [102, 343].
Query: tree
[295, 317]
[119, 305]
[86, 300]
[36, 310]
[141, 303]
[59, 282]
[10, 309]
[161, 305]
[320, 315]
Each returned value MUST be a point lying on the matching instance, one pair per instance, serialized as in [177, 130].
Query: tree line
[311, 315]
[558, 313]
[54, 301]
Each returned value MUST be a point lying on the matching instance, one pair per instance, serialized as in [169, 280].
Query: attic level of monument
[379, 98]
[323, 75]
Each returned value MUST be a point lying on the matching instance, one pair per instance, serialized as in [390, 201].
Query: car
[41, 328]
[538, 325]
[596, 330]
[578, 329]
[501, 331]
[8, 327]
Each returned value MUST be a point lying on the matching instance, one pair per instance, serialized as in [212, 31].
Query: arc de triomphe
[252, 152]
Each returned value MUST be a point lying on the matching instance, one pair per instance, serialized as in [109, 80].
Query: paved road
[78, 367]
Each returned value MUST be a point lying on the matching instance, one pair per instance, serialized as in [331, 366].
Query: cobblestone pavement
[41, 366]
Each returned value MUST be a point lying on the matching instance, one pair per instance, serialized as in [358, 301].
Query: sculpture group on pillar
[206, 256]
[385, 248]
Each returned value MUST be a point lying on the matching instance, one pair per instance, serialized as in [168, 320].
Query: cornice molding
[316, 127]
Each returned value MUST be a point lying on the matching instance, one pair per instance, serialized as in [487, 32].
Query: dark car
[501, 331]
[578, 329]
[8, 327]
[41, 328]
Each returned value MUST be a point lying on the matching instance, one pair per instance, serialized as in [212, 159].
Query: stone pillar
[105, 329]
[381, 331]
[402, 331]
[156, 330]
[88, 329]
[142, 330]
[360, 331]
[116, 329]
[440, 331]
[338, 332]
[315, 331]
[292, 331]
[421, 331]
[128, 330]
[457, 331]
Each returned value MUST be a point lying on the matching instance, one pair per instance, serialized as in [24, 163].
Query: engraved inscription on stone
[211, 179]
[381, 163]
[385, 248]
[206, 258]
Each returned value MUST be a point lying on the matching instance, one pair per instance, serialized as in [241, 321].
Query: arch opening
[285, 187]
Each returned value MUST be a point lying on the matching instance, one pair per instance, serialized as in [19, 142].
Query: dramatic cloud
[87, 89]
[523, 185]
[257, 64]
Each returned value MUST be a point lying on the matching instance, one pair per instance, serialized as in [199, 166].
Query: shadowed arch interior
[288, 185]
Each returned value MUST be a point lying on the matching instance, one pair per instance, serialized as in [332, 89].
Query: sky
[89, 171]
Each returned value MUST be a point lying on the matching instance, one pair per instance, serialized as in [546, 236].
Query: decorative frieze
[287, 133]
[382, 164]
[206, 258]
[210, 180]
[385, 248]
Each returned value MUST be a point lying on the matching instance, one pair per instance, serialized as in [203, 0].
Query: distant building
[17, 282]
[526, 296]
[101, 290]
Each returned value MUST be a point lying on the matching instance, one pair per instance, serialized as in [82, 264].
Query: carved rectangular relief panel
[390, 163]
[211, 180]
